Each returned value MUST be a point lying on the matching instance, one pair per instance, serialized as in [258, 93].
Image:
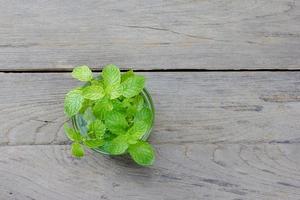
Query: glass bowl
[80, 124]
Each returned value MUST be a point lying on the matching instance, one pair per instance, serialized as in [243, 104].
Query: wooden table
[225, 80]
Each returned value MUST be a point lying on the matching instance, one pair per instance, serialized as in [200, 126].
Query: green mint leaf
[138, 102]
[97, 128]
[142, 153]
[111, 79]
[118, 106]
[102, 108]
[127, 75]
[136, 132]
[144, 115]
[116, 123]
[93, 92]
[77, 150]
[82, 73]
[114, 91]
[73, 102]
[72, 134]
[133, 86]
[111, 75]
[93, 143]
[117, 146]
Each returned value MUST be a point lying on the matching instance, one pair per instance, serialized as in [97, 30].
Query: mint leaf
[138, 102]
[136, 132]
[93, 92]
[93, 143]
[111, 79]
[73, 102]
[114, 91]
[72, 134]
[97, 128]
[142, 153]
[127, 75]
[133, 86]
[111, 75]
[102, 108]
[77, 150]
[116, 123]
[82, 73]
[118, 106]
[117, 146]
[144, 115]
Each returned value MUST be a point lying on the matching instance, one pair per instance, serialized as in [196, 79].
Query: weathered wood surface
[211, 107]
[224, 34]
[182, 171]
[217, 136]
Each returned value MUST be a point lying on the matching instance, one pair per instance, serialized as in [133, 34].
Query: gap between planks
[64, 70]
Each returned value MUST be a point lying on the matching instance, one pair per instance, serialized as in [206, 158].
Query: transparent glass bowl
[80, 124]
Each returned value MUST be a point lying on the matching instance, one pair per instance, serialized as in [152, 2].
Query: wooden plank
[157, 34]
[209, 107]
[182, 171]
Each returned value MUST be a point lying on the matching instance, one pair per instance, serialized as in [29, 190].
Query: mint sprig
[73, 102]
[115, 111]
[77, 150]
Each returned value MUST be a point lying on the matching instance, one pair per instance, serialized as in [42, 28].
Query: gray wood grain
[182, 171]
[210, 107]
[157, 34]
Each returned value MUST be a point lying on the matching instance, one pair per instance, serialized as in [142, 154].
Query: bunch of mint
[116, 113]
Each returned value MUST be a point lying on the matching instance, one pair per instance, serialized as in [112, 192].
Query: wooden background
[224, 76]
